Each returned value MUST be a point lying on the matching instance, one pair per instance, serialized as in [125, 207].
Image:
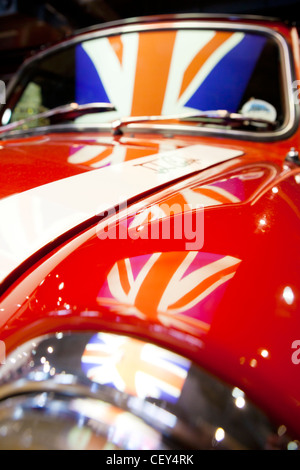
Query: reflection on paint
[177, 288]
[136, 368]
[124, 430]
[200, 196]
[99, 156]
[233, 188]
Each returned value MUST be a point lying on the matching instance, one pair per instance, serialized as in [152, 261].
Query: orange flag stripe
[152, 74]
[200, 288]
[213, 195]
[201, 57]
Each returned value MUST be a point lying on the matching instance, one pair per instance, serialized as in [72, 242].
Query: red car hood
[223, 305]
[53, 186]
[35, 161]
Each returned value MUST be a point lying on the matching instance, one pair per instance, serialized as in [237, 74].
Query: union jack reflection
[177, 288]
[195, 197]
[134, 367]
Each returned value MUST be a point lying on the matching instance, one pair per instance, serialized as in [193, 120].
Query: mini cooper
[149, 239]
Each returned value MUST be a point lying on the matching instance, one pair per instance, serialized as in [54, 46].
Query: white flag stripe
[209, 65]
[145, 382]
[187, 45]
[129, 272]
[220, 191]
[118, 79]
[203, 294]
[160, 363]
[178, 287]
[84, 154]
[141, 277]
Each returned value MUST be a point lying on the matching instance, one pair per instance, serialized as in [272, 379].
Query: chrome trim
[288, 75]
[42, 380]
[59, 111]
[47, 421]
[179, 17]
[293, 156]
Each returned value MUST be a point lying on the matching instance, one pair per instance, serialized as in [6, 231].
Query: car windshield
[156, 73]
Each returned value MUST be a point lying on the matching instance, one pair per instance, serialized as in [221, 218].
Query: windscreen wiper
[69, 111]
[234, 119]
[219, 116]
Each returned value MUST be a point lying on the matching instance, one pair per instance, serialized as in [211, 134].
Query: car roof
[274, 23]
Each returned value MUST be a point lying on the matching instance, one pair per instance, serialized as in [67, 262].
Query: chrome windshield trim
[146, 128]
[287, 69]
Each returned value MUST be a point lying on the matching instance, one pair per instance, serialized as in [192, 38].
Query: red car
[149, 239]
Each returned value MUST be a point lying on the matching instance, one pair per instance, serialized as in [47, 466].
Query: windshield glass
[164, 72]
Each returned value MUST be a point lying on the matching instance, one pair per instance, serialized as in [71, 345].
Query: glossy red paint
[30, 162]
[235, 333]
[243, 330]
[34, 161]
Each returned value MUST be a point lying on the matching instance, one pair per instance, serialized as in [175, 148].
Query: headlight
[106, 391]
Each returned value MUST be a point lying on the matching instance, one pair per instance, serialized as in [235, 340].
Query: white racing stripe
[34, 218]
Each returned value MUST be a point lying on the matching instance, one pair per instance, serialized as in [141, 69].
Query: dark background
[26, 26]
